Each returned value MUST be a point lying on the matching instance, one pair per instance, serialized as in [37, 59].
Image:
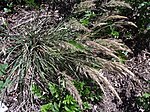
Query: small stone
[3, 107]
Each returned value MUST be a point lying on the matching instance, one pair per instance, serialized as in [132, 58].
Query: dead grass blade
[114, 44]
[116, 17]
[114, 3]
[98, 77]
[87, 4]
[126, 23]
[73, 90]
[120, 68]
[101, 48]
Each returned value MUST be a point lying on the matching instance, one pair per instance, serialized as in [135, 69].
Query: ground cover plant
[140, 16]
[51, 62]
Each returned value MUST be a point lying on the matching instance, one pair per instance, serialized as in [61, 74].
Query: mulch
[128, 89]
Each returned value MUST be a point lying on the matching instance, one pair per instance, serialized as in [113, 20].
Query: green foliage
[54, 90]
[1, 85]
[46, 107]
[61, 100]
[87, 18]
[122, 56]
[8, 7]
[35, 89]
[70, 104]
[77, 45]
[89, 91]
[140, 13]
[31, 3]
[3, 68]
[114, 33]
[144, 102]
